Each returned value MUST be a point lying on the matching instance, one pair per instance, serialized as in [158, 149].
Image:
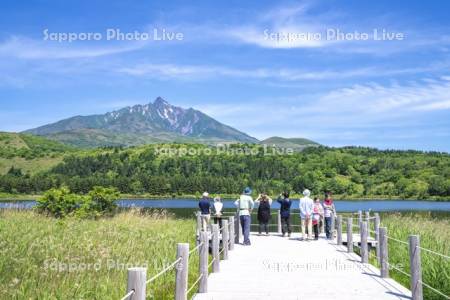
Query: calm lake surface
[344, 206]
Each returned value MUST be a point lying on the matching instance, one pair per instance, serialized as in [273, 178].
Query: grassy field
[28, 153]
[44, 258]
[31, 166]
[434, 232]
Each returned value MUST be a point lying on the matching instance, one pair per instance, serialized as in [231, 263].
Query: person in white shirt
[245, 205]
[306, 210]
[218, 206]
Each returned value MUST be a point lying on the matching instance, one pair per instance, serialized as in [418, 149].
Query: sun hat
[205, 194]
[247, 191]
[306, 193]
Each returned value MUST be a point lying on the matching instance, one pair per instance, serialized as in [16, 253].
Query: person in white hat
[205, 209]
[245, 205]
[218, 206]
[306, 210]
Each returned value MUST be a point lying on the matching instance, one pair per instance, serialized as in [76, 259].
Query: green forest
[188, 169]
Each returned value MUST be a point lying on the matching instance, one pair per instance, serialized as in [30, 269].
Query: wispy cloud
[196, 72]
[303, 26]
[26, 48]
[345, 114]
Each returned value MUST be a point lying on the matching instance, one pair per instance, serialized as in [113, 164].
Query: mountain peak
[160, 101]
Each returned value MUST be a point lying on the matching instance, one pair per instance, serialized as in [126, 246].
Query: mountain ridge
[139, 124]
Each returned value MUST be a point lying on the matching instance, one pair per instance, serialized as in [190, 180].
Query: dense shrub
[61, 203]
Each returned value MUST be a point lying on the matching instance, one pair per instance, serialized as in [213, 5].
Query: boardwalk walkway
[281, 268]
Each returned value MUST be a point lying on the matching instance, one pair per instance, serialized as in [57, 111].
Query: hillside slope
[293, 143]
[29, 153]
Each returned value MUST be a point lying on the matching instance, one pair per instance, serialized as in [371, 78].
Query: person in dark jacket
[205, 210]
[285, 213]
[264, 202]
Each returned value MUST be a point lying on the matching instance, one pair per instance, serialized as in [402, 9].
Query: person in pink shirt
[317, 215]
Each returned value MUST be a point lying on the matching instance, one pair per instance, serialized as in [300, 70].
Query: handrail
[194, 284]
[433, 252]
[398, 241]
[434, 290]
[128, 295]
[163, 271]
[196, 248]
[395, 268]
[211, 263]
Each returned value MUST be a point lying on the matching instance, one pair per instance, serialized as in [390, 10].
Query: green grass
[30, 243]
[31, 166]
[29, 153]
[434, 232]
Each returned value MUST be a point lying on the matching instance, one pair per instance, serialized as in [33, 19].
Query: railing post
[384, 257]
[231, 231]
[215, 248]
[364, 246]
[359, 217]
[377, 234]
[339, 230]
[199, 223]
[367, 217]
[182, 269]
[203, 262]
[137, 278]
[415, 267]
[237, 229]
[333, 224]
[225, 242]
[350, 235]
[279, 222]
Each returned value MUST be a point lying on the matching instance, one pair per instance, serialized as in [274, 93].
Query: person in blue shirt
[205, 209]
[245, 205]
[285, 213]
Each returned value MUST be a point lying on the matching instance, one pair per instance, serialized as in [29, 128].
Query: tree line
[351, 171]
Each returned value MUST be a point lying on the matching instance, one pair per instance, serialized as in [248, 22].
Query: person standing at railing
[264, 202]
[218, 206]
[317, 217]
[245, 205]
[329, 211]
[205, 209]
[306, 210]
[285, 213]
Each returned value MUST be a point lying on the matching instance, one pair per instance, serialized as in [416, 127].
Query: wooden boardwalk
[287, 268]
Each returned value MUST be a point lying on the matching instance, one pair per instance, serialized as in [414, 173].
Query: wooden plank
[287, 268]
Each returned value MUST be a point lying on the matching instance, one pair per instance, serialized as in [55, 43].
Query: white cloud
[26, 48]
[350, 113]
[197, 72]
[280, 21]
[309, 29]
[439, 105]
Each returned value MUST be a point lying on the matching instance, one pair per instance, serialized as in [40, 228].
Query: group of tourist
[313, 214]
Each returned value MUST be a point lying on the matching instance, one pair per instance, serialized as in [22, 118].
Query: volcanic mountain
[155, 122]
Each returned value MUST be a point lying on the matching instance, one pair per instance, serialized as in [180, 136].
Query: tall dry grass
[44, 258]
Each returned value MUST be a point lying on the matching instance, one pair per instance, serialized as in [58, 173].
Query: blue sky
[380, 93]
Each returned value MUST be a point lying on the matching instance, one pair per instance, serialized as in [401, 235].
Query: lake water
[344, 206]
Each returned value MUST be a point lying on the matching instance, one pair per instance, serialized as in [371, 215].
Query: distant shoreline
[125, 197]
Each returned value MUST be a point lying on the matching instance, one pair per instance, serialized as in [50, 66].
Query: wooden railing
[230, 233]
[221, 240]
[382, 251]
